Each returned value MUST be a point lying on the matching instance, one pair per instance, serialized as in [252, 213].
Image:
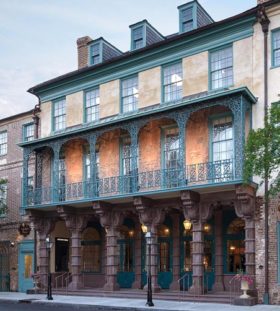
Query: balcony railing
[208, 173]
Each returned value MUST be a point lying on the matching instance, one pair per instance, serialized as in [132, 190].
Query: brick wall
[82, 49]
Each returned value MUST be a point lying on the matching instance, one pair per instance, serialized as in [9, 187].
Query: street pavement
[20, 301]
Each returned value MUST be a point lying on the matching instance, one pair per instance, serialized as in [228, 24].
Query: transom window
[172, 82]
[92, 105]
[95, 57]
[28, 132]
[221, 66]
[130, 94]
[276, 48]
[59, 115]
[186, 19]
[222, 139]
[137, 37]
[3, 143]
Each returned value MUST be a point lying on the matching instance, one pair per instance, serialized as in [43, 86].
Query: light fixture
[232, 248]
[131, 233]
[166, 231]
[207, 228]
[187, 224]
[144, 228]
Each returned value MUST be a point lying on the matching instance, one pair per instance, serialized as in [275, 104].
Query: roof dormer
[100, 50]
[144, 34]
[192, 16]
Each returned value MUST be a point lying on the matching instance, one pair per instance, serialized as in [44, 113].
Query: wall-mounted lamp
[187, 224]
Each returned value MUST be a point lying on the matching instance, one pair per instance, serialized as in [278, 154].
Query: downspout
[264, 21]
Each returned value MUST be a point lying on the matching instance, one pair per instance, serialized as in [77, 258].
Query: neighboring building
[154, 139]
[15, 248]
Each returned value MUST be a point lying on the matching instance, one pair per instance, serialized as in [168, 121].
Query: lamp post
[49, 246]
[149, 303]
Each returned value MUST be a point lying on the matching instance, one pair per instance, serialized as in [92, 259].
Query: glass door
[185, 258]
[209, 255]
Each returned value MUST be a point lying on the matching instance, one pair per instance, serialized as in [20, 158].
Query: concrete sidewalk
[103, 303]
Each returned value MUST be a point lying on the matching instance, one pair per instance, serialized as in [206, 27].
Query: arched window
[91, 250]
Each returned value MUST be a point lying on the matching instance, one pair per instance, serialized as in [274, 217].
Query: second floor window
[3, 143]
[92, 105]
[173, 82]
[3, 198]
[221, 66]
[130, 94]
[28, 132]
[59, 122]
[137, 38]
[87, 163]
[171, 149]
[276, 48]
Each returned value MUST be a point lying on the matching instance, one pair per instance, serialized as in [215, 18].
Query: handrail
[58, 277]
[233, 288]
[67, 282]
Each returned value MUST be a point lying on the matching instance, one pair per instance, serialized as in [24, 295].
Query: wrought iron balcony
[191, 176]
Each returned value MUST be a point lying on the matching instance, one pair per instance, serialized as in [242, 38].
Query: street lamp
[149, 303]
[49, 246]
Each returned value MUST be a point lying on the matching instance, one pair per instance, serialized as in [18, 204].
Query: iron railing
[208, 173]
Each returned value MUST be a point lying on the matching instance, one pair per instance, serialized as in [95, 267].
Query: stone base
[74, 285]
[33, 291]
[155, 288]
[218, 287]
[251, 301]
[111, 287]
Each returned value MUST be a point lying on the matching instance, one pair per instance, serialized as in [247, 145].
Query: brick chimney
[83, 51]
[262, 1]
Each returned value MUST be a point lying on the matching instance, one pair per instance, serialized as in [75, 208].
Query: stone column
[137, 247]
[176, 252]
[75, 223]
[245, 208]
[44, 226]
[198, 213]
[111, 220]
[151, 217]
[219, 266]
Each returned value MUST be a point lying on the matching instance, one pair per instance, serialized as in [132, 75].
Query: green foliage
[262, 151]
[3, 195]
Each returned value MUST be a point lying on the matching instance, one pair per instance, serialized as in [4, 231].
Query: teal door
[26, 265]
[4, 267]
[126, 274]
[185, 258]
[209, 256]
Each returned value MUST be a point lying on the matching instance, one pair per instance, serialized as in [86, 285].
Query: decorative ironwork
[137, 181]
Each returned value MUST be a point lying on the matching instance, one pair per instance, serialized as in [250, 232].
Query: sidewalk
[103, 303]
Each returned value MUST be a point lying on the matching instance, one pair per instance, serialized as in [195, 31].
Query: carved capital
[109, 218]
[42, 224]
[245, 203]
[73, 220]
[190, 201]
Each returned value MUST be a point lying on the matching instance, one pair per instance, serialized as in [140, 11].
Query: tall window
[3, 199]
[222, 139]
[59, 114]
[87, 163]
[186, 19]
[95, 57]
[62, 177]
[126, 156]
[137, 38]
[172, 82]
[129, 94]
[92, 99]
[28, 132]
[221, 67]
[276, 48]
[3, 143]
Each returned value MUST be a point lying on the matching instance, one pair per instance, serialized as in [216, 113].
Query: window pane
[29, 132]
[236, 256]
[173, 82]
[92, 105]
[222, 68]
[59, 115]
[95, 54]
[3, 143]
[130, 94]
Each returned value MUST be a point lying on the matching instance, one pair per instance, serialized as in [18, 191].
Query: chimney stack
[82, 49]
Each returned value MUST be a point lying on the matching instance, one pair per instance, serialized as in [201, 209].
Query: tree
[3, 196]
[262, 152]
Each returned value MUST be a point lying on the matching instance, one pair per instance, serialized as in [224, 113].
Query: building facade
[153, 140]
[15, 247]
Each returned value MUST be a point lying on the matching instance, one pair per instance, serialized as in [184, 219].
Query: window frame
[5, 197]
[97, 88]
[5, 143]
[54, 102]
[273, 32]
[183, 7]
[24, 132]
[91, 56]
[210, 53]
[163, 68]
[133, 45]
[122, 97]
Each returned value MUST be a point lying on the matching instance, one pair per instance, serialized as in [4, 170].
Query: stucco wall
[45, 119]
[149, 87]
[74, 109]
[74, 161]
[109, 99]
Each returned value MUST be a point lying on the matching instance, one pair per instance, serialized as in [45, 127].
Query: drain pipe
[264, 21]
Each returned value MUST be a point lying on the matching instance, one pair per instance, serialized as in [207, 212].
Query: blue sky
[38, 37]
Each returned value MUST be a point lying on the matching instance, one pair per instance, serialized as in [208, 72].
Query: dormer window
[95, 57]
[187, 19]
[137, 38]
